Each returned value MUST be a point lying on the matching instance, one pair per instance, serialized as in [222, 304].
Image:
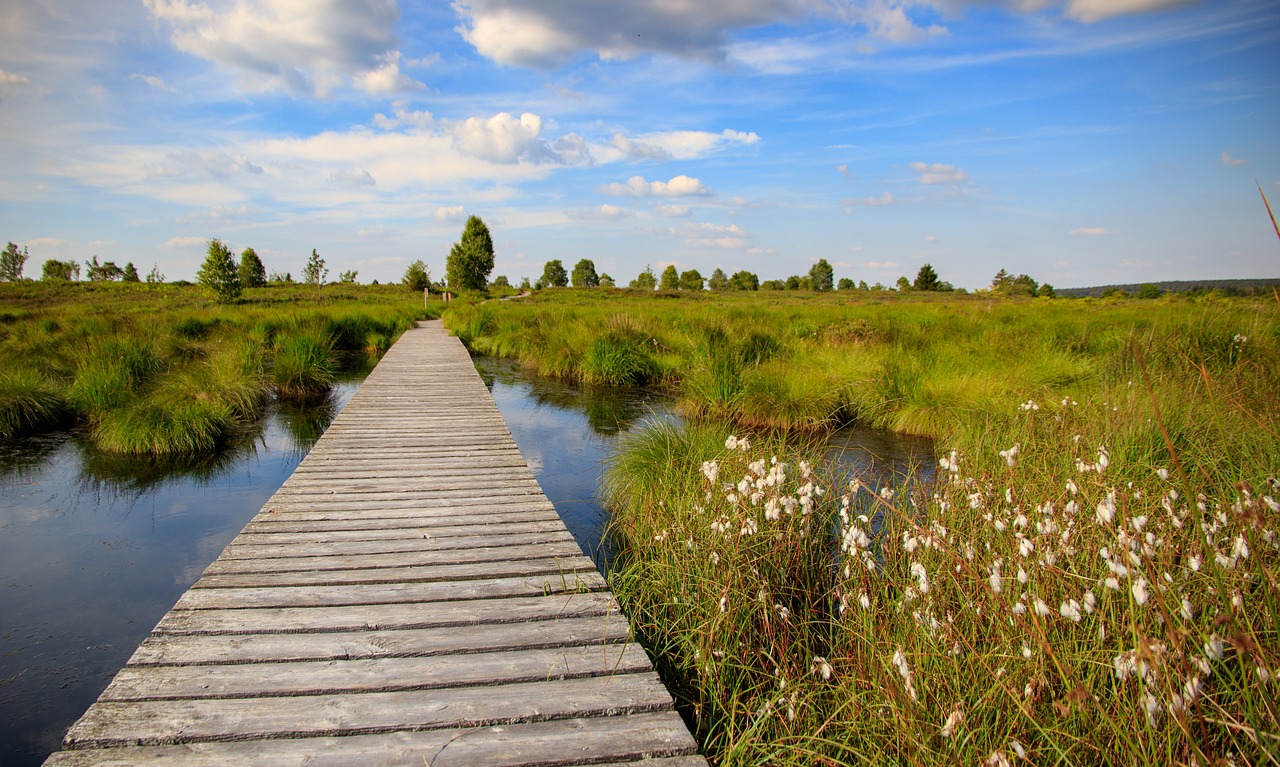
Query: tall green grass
[1094, 579]
[167, 374]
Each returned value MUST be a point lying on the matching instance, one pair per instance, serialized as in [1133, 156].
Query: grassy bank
[163, 371]
[1092, 580]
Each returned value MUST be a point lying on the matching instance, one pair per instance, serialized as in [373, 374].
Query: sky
[1082, 142]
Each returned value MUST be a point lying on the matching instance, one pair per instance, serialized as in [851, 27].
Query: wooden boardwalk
[409, 596]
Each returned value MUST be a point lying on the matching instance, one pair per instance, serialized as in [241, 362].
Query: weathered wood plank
[204, 649]
[564, 548]
[388, 593]
[331, 677]
[403, 615]
[559, 743]
[544, 566]
[110, 724]
[474, 526]
[432, 543]
[270, 524]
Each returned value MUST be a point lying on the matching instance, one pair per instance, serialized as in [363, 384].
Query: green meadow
[1090, 577]
[164, 371]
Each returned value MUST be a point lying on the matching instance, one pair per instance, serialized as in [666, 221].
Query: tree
[281, 278]
[670, 278]
[822, 276]
[130, 273]
[252, 272]
[773, 285]
[471, 258]
[54, 270]
[926, 278]
[904, 285]
[744, 280]
[1046, 291]
[348, 277]
[1022, 285]
[793, 282]
[718, 281]
[584, 274]
[524, 283]
[11, 263]
[606, 281]
[691, 280]
[104, 272]
[1149, 290]
[645, 280]
[416, 277]
[554, 275]
[862, 285]
[501, 281]
[155, 276]
[219, 273]
[844, 284]
[315, 272]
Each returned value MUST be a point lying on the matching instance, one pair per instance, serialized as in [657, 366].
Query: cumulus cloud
[939, 173]
[1090, 231]
[1232, 162]
[387, 78]
[604, 212]
[637, 186]
[451, 213]
[300, 46]
[639, 150]
[505, 140]
[534, 33]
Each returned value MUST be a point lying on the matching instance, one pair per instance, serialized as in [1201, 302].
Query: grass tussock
[29, 404]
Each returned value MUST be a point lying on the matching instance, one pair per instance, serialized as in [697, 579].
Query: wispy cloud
[1091, 231]
[1232, 162]
[873, 202]
[939, 173]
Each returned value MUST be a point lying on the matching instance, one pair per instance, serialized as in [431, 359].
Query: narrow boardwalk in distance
[408, 597]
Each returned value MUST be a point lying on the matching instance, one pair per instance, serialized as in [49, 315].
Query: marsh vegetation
[161, 371]
[1092, 577]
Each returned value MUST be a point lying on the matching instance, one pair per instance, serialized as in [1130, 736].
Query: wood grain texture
[407, 597]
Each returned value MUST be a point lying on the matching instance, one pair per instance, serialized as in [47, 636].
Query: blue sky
[1082, 142]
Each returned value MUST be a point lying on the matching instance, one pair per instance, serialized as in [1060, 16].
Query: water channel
[94, 551]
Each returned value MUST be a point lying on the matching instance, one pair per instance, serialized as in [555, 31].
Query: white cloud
[883, 265]
[535, 33]
[604, 212]
[709, 235]
[677, 145]
[1090, 231]
[386, 79]
[451, 213]
[353, 177]
[639, 150]
[404, 118]
[1232, 162]
[939, 173]
[11, 78]
[874, 202]
[154, 81]
[1090, 11]
[843, 170]
[931, 238]
[637, 186]
[300, 46]
[671, 211]
[505, 140]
